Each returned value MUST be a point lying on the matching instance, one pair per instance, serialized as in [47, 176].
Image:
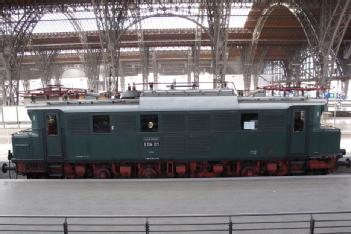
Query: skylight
[239, 14]
[171, 16]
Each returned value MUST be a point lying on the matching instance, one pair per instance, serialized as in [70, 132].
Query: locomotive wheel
[104, 174]
[248, 171]
[149, 173]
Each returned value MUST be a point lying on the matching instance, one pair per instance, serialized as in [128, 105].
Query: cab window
[101, 124]
[299, 121]
[249, 121]
[51, 120]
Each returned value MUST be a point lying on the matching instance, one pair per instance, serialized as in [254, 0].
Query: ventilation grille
[226, 122]
[273, 120]
[21, 147]
[173, 122]
[174, 145]
[198, 144]
[125, 123]
[78, 123]
[199, 122]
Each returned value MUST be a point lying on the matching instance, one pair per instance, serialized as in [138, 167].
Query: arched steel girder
[104, 13]
[306, 20]
[69, 14]
[19, 33]
[141, 18]
[110, 20]
[332, 38]
[144, 51]
[336, 28]
[19, 36]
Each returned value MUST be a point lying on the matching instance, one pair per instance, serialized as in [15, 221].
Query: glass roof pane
[154, 17]
[167, 23]
[54, 22]
[239, 13]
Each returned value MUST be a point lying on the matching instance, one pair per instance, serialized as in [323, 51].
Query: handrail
[314, 221]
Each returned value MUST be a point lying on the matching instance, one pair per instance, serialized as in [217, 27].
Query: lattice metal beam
[111, 17]
[196, 49]
[246, 66]
[332, 37]
[92, 69]
[122, 76]
[16, 31]
[44, 61]
[347, 51]
[218, 14]
[189, 66]
[259, 65]
[155, 69]
[57, 72]
[305, 18]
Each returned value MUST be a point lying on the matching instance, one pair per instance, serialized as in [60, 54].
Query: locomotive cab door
[297, 146]
[53, 136]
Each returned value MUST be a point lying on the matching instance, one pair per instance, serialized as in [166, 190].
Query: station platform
[175, 196]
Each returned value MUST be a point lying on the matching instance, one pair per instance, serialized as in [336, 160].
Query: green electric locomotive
[193, 133]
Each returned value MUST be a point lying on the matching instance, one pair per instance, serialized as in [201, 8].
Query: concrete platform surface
[175, 196]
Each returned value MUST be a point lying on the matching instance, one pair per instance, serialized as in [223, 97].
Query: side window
[249, 121]
[148, 123]
[299, 121]
[101, 124]
[51, 120]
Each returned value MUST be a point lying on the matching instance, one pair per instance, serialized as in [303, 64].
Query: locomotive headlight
[150, 124]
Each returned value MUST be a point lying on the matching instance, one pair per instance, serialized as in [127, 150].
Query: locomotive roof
[179, 103]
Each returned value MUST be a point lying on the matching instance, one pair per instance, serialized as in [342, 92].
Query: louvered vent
[125, 123]
[226, 122]
[21, 147]
[173, 145]
[173, 122]
[273, 120]
[78, 124]
[198, 144]
[199, 122]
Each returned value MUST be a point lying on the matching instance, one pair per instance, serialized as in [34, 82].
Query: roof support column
[145, 66]
[196, 49]
[92, 68]
[58, 71]
[218, 14]
[44, 60]
[258, 66]
[344, 63]
[246, 67]
[332, 36]
[111, 17]
[189, 66]
[122, 76]
[15, 32]
[155, 69]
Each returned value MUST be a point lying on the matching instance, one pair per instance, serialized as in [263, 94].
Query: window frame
[256, 123]
[141, 123]
[101, 132]
[304, 121]
[47, 124]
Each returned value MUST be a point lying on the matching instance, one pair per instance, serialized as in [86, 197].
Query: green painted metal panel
[196, 135]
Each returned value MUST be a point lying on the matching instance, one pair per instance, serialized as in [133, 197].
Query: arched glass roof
[157, 17]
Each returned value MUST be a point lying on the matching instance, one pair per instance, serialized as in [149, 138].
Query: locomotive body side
[185, 138]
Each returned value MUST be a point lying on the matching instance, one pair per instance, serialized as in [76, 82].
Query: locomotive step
[55, 166]
[57, 175]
